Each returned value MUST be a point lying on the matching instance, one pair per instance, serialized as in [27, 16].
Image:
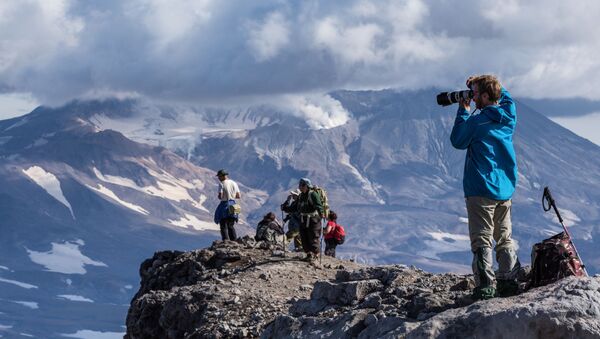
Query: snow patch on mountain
[570, 219]
[18, 283]
[152, 125]
[366, 184]
[108, 193]
[38, 142]
[191, 221]
[49, 183]
[444, 242]
[89, 334]
[21, 122]
[73, 297]
[64, 258]
[167, 186]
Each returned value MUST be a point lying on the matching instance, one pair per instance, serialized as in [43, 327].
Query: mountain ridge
[390, 171]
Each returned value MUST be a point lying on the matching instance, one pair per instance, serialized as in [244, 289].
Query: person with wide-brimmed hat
[224, 216]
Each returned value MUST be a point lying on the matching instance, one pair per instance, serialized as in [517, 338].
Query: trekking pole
[321, 244]
[547, 198]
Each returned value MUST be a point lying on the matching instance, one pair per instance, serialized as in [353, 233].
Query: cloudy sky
[205, 51]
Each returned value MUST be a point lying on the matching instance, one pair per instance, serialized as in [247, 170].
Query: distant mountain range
[88, 190]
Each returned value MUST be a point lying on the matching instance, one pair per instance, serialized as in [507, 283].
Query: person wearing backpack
[310, 208]
[290, 206]
[269, 229]
[490, 177]
[334, 234]
[226, 214]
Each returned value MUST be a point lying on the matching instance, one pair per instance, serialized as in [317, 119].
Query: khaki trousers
[490, 220]
[295, 234]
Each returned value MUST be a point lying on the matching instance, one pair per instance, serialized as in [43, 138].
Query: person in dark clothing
[311, 211]
[269, 229]
[331, 240]
[290, 206]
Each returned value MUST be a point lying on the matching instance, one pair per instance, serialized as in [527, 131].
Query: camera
[449, 98]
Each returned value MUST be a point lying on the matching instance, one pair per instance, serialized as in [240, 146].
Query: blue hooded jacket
[491, 164]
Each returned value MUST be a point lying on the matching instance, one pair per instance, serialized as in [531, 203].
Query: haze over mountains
[90, 189]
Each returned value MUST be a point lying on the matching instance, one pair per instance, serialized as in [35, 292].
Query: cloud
[268, 38]
[216, 51]
[319, 111]
[31, 31]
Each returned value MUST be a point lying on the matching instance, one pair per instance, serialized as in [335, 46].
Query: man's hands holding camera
[466, 104]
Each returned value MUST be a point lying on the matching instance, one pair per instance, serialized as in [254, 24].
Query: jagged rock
[371, 301]
[217, 292]
[464, 285]
[382, 273]
[348, 325]
[235, 289]
[429, 303]
[346, 292]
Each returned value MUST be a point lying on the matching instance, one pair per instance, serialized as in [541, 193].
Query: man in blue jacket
[490, 177]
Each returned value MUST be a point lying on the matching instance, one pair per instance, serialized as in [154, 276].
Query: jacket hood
[497, 114]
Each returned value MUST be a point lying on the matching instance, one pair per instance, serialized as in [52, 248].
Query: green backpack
[324, 201]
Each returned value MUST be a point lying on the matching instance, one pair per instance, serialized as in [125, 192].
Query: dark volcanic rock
[232, 289]
[248, 289]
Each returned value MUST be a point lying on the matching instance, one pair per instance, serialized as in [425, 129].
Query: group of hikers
[305, 207]
[490, 176]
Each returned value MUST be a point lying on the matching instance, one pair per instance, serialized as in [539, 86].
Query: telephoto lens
[449, 98]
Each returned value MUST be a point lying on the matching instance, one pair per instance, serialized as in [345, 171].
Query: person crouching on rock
[334, 234]
[311, 211]
[269, 229]
[225, 215]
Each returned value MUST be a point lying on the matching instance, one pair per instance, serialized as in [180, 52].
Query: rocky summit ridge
[253, 289]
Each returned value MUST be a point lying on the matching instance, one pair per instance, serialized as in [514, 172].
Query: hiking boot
[483, 293]
[507, 288]
[309, 257]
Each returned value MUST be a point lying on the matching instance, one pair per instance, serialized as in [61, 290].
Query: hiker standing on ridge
[334, 234]
[224, 216]
[290, 206]
[490, 177]
[311, 211]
